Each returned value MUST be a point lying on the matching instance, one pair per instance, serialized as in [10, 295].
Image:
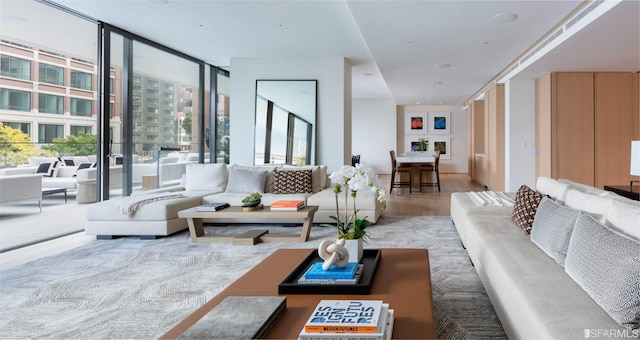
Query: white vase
[354, 247]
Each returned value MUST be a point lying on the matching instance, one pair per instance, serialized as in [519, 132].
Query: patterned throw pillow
[524, 210]
[552, 228]
[607, 266]
[292, 181]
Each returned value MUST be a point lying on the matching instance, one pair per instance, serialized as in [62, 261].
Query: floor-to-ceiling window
[48, 78]
[154, 119]
[155, 101]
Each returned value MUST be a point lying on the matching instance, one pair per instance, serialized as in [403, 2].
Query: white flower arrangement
[351, 179]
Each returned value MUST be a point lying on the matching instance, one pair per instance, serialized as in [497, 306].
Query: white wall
[520, 161]
[333, 132]
[459, 135]
[374, 132]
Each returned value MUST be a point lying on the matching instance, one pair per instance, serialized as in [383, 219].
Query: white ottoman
[159, 218]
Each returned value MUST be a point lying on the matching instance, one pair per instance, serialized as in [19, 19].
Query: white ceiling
[397, 47]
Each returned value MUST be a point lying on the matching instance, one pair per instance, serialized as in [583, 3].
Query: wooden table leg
[195, 228]
[306, 227]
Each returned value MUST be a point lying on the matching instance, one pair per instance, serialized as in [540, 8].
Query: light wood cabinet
[494, 137]
[477, 165]
[585, 122]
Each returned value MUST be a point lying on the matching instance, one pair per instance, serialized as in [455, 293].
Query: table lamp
[635, 161]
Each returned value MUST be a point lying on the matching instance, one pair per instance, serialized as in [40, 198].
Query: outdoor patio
[22, 223]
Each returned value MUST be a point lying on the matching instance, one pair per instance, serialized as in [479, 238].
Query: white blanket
[490, 199]
[130, 205]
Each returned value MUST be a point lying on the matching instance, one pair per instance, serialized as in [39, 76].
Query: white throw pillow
[552, 228]
[625, 218]
[269, 182]
[553, 188]
[596, 206]
[244, 181]
[206, 177]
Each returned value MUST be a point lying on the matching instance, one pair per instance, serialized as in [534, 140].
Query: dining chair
[433, 172]
[396, 170]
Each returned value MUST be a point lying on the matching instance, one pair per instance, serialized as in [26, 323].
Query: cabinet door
[613, 127]
[574, 145]
[494, 116]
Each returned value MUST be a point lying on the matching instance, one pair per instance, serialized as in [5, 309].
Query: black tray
[370, 259]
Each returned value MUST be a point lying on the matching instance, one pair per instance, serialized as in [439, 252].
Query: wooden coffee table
[402, 279]
[251, 237]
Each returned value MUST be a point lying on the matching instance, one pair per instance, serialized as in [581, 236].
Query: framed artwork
[416, 123]
[442, 143]
[439, 123]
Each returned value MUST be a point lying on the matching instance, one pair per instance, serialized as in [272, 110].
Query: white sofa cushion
[607, 266]
[596, 206]
[625, 218]
[552, 227]
[583, 187]
[206, 177]
[553, 188]
[243, 181]
[268, 184]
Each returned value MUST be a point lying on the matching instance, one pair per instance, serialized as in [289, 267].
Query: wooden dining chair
[432, 172]
[396, 170]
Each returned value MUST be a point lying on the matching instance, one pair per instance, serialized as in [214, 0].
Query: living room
[350, 122]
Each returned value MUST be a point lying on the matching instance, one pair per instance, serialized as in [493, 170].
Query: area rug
[138, 289]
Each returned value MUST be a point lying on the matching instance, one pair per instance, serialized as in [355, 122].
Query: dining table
[415, 159]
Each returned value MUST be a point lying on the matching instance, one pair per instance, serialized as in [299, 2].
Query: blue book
[334, 272]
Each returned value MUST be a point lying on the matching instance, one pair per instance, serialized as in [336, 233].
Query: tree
[186, 123]
[84, 144]
[16, 146]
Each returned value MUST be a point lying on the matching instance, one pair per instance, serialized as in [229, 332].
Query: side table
[625, 190]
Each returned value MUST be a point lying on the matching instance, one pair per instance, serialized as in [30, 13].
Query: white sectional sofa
[208, 183]
[573, 276]
[15, 188]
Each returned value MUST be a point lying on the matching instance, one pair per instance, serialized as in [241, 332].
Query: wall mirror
[285, 122]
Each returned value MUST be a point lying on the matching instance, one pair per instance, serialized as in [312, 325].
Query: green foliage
[186, 123]
[15, 145]
[83, 145]
[252, 197]
[352, 230]
[423, 145]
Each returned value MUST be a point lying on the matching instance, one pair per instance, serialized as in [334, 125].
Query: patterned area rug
[138, 289]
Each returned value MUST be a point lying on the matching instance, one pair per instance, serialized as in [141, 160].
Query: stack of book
[349, 319]
[349, 274]
[287, 205]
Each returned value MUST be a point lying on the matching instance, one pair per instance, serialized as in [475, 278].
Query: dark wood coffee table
[402, 279]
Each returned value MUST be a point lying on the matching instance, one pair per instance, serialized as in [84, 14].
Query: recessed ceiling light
[437, 83]
[368, 74]
[504, 17]
[443, 65]
[411, 43]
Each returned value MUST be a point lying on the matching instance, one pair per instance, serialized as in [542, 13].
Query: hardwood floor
[428, 203]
